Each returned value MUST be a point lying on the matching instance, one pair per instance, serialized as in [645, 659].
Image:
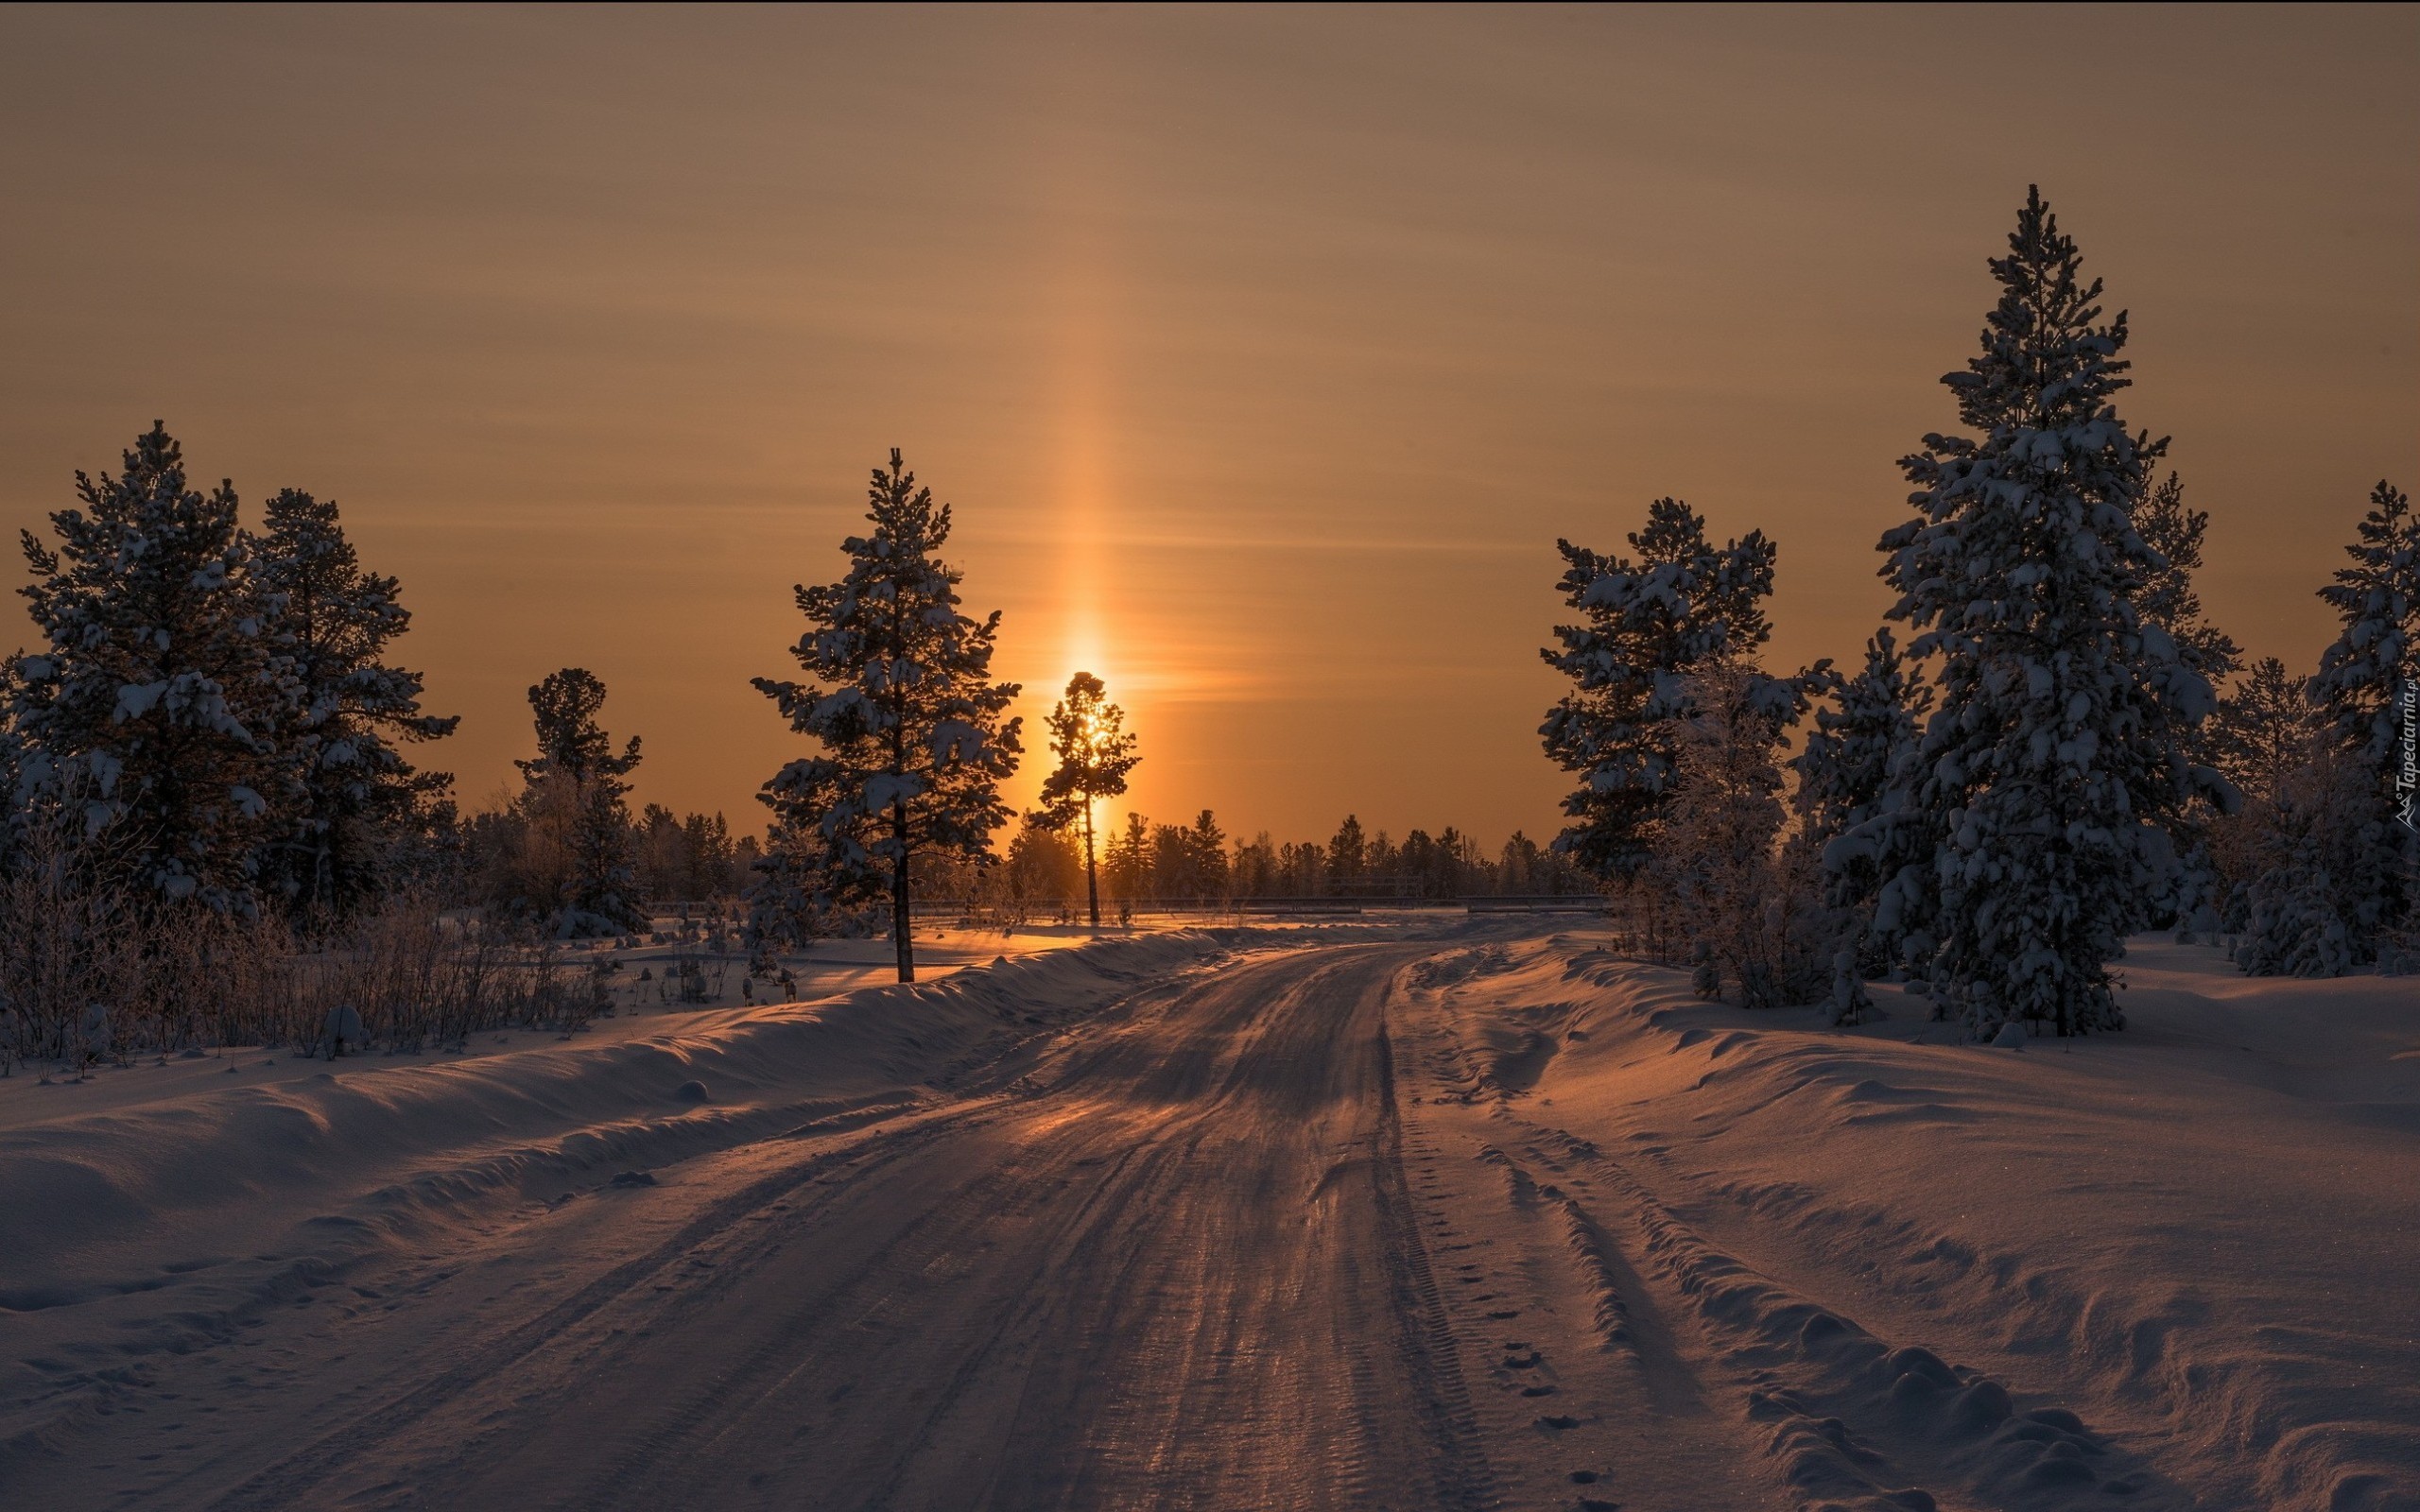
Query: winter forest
[1207, 758]
[220, 821]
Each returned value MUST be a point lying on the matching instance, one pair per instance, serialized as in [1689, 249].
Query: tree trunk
[1091, 876]
[900, 933]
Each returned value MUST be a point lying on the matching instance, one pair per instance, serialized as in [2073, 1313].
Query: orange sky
[1264, 353]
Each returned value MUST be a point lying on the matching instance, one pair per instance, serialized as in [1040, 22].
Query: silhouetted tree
[577, 867]
[1088, 735]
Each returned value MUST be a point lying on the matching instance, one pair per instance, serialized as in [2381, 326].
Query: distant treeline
[1192, 863]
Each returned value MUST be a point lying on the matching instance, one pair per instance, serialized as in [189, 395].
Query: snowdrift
[2168, 1266]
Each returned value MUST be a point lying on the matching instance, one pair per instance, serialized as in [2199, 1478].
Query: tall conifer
[348, 793]
[915, 740]
[2057, 756]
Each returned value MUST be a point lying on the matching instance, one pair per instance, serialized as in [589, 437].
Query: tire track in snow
[285, 1483]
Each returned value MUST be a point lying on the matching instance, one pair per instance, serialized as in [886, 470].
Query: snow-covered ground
[2168, 1267]
[1411, 1213]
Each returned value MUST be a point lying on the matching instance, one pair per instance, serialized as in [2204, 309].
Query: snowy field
[1413, 1213]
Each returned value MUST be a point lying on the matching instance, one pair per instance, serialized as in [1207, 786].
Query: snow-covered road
[1280, 1223]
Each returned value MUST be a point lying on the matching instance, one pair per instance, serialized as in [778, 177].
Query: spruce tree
[2364, 688]
[1646, 623]
[149, 704]
[348, 796]
[1851, 787]
[1206, 848]
[576, 797]
[915, 742]
[2057, 758]
[1129, 864]
[1088, 735]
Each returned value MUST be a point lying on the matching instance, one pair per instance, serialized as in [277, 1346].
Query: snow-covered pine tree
[575, 800]
[915, 742]
[1088, 735]
[2057, 756]
[2365, 681]
[149, 702]
[1852, 777]
[349, 795]
[1646, 623]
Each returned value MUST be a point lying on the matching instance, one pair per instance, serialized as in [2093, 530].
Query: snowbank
[166, 1223]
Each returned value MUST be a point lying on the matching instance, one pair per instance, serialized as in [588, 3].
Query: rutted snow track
[1292, 1231]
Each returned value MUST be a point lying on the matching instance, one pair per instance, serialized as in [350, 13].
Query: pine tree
[1130, 863]
[2057, 755]
[900, 700]
[1347, 855]
[1206, 849]
[349, 795]
[2167, 600]
[2365, 687]
[1682, 604]
[150, 703]
[2264, 734]
[575, 793]
[1088, 735]
[1853, 786]
[2166, 597]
